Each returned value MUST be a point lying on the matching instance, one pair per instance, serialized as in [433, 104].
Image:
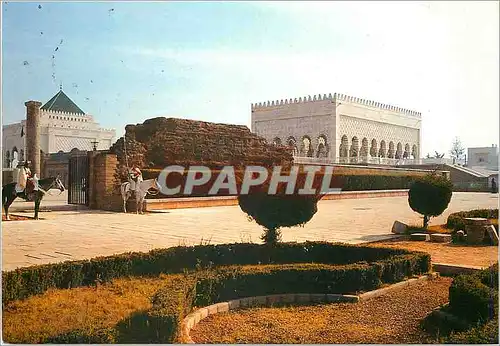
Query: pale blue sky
[126, 62]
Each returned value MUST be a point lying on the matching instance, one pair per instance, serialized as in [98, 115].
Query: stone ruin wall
[160, 142]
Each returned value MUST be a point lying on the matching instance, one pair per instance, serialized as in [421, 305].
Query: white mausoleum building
[64, 126]
[340, 128]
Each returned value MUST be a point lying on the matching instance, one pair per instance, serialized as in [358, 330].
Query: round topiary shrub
[275, 211]
[430, 196]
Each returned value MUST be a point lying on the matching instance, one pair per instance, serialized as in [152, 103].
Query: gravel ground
[474, 255]
[390, 319]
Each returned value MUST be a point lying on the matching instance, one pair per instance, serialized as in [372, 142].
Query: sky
[125, 62]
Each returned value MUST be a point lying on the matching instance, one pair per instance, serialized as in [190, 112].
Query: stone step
[420, 237]
[440, 238]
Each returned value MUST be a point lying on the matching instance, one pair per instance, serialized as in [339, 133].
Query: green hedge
[475, 297]
[25, 282]
[485, 334]
[236, 282]
[456, 220]
[375, 182]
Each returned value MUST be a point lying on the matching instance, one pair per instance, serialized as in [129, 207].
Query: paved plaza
[80, 234]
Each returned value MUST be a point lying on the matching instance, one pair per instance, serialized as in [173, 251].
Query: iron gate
[78, 177]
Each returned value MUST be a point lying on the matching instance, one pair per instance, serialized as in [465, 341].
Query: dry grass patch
[88, 308]
[475, 255]
[393, 318]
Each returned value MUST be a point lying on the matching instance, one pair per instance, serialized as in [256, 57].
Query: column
[33, 135]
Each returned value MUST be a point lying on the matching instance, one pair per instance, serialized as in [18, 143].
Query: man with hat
[26, 181]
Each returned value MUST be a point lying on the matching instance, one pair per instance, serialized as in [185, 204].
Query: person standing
[493, 185]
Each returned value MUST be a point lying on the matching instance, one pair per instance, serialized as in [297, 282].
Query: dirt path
[393, 318]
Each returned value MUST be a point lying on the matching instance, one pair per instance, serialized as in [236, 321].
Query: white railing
[372, 160]
[357, 160]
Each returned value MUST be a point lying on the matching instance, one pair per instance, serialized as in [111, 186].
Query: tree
[457, 150]
[430, 196]
[275, 211]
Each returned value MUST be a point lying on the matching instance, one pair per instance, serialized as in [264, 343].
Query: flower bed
[214, 273]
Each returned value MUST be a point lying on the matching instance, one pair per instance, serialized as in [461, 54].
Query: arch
[390, 152]
[293, 144]
[322, 148]
[277, 141]
[306, 147]
[354, 150]
[373, 148]
[363, 152]
[406, 153]
[382, 152]
[343, 148]
[15, 157]
[414, 151]
[399, 151]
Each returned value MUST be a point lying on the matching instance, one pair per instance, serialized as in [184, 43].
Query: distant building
[340, 128]
[485, 157]
[64, 127]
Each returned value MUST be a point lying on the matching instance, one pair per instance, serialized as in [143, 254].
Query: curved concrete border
[195, 317]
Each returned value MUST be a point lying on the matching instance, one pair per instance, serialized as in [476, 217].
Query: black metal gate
[78, 177]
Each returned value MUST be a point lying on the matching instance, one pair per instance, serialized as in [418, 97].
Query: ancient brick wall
[160, 142]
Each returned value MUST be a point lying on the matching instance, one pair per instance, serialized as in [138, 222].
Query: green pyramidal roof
[62, 103]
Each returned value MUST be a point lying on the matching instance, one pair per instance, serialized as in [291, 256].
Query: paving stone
[203, 313]
[441, 238]
[109, 233]
[244, 302]
[223, 307]
[303, 298]
[212, 309]
[273, 299]
[234, 304]
[420, 237]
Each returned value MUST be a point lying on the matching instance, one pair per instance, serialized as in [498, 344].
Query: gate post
[91, 179]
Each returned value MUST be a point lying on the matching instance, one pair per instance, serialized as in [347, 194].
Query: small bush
[475, 297]
[481, 334]
[430, 196]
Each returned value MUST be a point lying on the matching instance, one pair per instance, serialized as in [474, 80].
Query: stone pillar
[33, 135]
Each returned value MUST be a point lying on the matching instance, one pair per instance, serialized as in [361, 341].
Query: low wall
[104, 186]
[217, 201]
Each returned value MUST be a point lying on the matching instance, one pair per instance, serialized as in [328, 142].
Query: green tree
[430, 196]
[275, 211]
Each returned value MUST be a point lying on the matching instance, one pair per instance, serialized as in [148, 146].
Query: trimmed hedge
[25, 282]
[487, 334]
[237, 282]
[475, 297]
[456, 220]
